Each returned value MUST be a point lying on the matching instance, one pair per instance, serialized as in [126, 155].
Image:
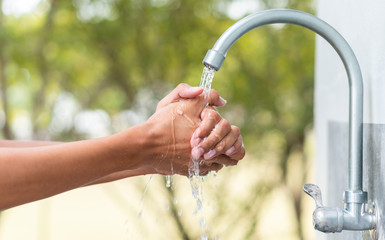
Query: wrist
[134, 147]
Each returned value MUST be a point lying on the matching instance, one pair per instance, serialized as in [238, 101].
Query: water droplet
[180, 213]
[143, 196]
[204, 237]
[202, 222]
[168, 181]
[180, 112]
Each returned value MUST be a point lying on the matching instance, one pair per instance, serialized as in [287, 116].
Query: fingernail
[222, 102]
[230, 151]
[197, 153]
[210, 154]
[195, 142]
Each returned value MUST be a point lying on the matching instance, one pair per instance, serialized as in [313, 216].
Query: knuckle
[233, 163]
[207, 144]
[220, 146]
[242, 153]
[214, 94]
[159, 105]
[213, 115]
[216, 167]
[216, 116]
[213, 141]
[236, 130]
[204, 145]
[208, 110]
[205, 111]
[226, 125]
[211, 110]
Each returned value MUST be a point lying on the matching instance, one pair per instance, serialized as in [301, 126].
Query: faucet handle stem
[315, 192]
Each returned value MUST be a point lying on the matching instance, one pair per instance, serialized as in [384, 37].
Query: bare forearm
[25, 144]
[121, 175]
[29, 174]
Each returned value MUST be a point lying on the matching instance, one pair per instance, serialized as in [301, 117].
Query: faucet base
[362, 221]
[354, 217]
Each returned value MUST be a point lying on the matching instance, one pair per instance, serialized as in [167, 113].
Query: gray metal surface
[353, 217]
[374, 169]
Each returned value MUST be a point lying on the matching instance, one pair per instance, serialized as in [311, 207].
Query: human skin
[164, 144]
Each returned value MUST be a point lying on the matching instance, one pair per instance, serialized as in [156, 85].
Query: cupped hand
[215, 137]
[180, 114]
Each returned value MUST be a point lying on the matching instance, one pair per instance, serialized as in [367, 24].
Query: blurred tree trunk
[43, 68]
[293, 142]
[6, 131]
[174, 211]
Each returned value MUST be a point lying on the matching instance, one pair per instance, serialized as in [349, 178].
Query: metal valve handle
[315, 192]
[325, 219]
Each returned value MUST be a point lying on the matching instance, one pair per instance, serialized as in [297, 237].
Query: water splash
[168, 181]
[143, 196]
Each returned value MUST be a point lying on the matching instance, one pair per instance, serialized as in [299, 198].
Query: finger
[238, 151]
[183, 90]
[226, 144]
[210, 118]
[215, 100]
[222, 160]
[190, 92]
[222, 129]
[205, 169]
[239, 155]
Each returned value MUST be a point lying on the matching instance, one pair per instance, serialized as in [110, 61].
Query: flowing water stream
[196, 181]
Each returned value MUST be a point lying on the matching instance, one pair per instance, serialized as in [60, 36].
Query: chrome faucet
[354, 216]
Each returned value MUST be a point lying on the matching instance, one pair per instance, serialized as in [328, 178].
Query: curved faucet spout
[215, 57]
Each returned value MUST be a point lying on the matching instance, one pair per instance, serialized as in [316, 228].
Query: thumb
[190, 92]
[183, 90]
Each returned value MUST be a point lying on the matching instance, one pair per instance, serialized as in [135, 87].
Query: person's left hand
[215, 142]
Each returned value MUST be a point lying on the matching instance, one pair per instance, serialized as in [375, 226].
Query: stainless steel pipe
[355, 197]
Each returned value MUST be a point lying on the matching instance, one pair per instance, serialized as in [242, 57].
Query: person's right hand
[172, 127]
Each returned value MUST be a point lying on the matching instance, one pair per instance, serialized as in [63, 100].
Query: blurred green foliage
[105, 52]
